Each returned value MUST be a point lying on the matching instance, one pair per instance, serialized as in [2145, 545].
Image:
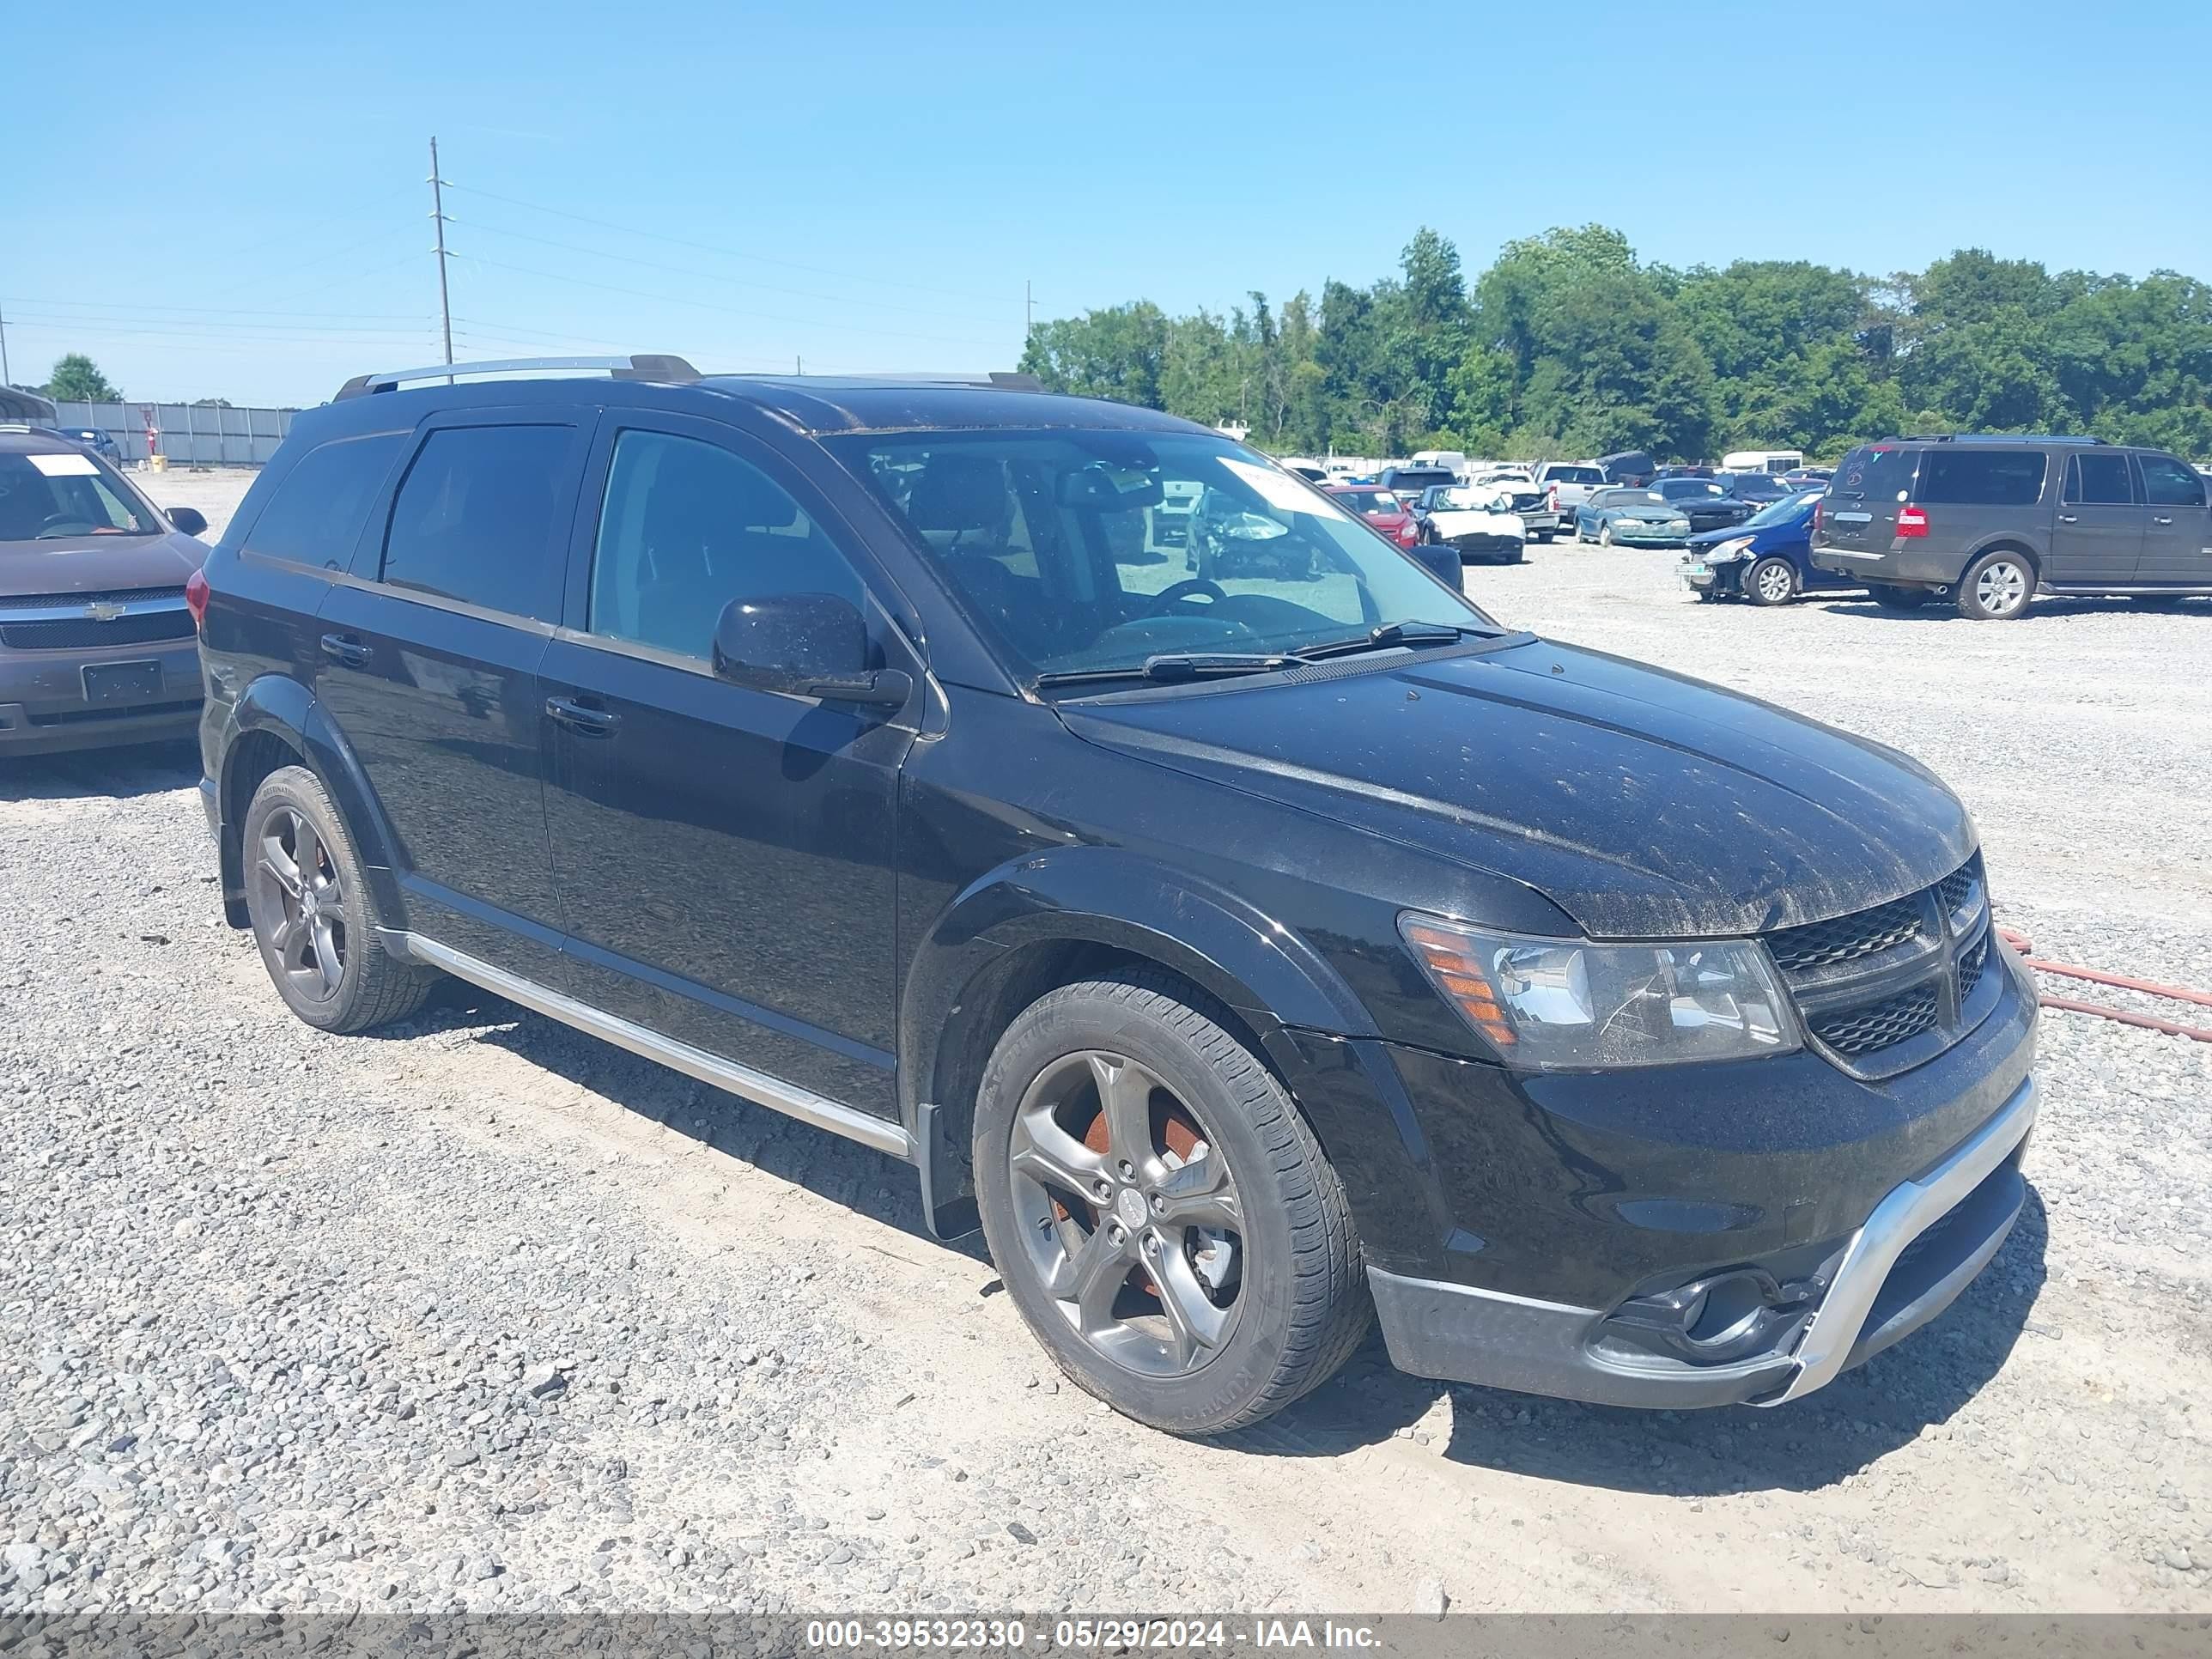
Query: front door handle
[2066, 518]
[345, 649]
[581, 718]
[2156, 520]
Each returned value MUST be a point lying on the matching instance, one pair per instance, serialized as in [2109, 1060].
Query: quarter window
[474, 520]
[2098, 480]
[1983, 477]
[318, 509]
[2168, 482]
[687, 527]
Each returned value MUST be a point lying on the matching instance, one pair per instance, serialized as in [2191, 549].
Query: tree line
[1569, 345]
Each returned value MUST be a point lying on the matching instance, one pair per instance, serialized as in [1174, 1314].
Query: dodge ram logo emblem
[104, 611]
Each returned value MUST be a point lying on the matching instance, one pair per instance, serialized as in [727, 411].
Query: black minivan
[1253, 955]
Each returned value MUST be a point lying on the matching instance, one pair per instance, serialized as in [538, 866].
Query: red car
[1380, 507]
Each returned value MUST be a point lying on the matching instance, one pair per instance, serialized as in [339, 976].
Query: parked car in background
[1636, 517]
[1685, 470]
[1704, 502]
[1476, 522]
[96, 637]
[1809, 477]
[1409, 481]
[1757, 488]
[98, 439]
[1989, 522]
[1299, 466]
[1383, 508]
[1453, 461]
[1628, 466]
[1767, 559]
[1539, 519]
[1762, 460]
[1171, 513]
[1567, 485]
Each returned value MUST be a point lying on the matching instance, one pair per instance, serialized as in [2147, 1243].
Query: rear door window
[1983, 477]
[2169, 482]
[318, 510]
[475, 519]
[2099, 480]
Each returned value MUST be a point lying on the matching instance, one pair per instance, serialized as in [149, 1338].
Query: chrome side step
[758, 1086]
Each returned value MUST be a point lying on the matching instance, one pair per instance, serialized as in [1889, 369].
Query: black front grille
[71, 634]
[1955, 889]
[1846, 939]
[108, 595]
[1881, 1025]
[1971, 965]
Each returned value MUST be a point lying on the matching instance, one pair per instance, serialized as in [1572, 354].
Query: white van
[1762, 460]
[1454, 461]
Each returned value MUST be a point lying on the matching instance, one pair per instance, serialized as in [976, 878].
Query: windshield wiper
[1176, 666]
[1388, 636]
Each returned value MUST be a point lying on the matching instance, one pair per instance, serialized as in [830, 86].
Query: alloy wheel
[1130, 1215]
[299, 886]
[2001, 588]
[1774, 582]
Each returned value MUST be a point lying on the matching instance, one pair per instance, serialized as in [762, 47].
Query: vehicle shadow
[1862, 1417]
[2046, 608]
[859, 1178]
[119, 773]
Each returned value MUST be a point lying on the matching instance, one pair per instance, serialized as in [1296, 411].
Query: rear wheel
[1996, 586]
[1771, 581]
[1165, 1221]
[313, 914]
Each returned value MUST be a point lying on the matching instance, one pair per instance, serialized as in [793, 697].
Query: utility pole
[438, 218]
[1029, 311]
[798, 364]
[6, 379]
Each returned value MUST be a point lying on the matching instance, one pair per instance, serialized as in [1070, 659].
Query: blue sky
[869, 185]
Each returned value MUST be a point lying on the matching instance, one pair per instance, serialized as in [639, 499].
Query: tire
[292, 826]
[1899, 599]
[1605, 534]
[1996, 588]
[1181, 1358]
[1770, 581]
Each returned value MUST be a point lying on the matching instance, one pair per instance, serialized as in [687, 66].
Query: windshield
[45, 497]
[1055, 544]
[1784, 511]
[1368, 500]
[1675, 490]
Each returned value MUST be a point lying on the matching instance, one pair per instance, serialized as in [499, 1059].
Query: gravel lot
[487, 1313]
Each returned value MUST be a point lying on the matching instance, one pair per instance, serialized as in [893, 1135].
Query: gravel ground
[485, 1314]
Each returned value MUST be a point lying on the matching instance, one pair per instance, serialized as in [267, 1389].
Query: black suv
[1251, 953]
[1990, 522]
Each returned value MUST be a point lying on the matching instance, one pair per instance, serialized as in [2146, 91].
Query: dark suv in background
[1990, 522]
[1253, 952]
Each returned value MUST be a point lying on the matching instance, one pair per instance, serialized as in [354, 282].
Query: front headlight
[1554, 1004]
[1736, 549]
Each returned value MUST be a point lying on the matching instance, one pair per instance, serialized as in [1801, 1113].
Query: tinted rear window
[318, 512]
[1981, 478]
[474, 520]
[1876, 472]
[1582, 474]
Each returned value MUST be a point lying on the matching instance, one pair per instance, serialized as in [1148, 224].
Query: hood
[98, 564]
[1735, 532]
[1642, 803]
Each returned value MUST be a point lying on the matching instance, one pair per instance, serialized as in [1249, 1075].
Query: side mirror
[804, 644]
[190, 519]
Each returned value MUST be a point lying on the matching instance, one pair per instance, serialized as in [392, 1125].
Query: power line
[211, 311]
[730, 253]
[732, 310]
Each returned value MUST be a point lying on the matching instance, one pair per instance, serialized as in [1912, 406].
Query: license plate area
[121, 682]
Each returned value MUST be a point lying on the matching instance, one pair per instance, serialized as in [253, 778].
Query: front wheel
[1996, 588]
[1605, 534]
[1771, 581]
[1165, 1221]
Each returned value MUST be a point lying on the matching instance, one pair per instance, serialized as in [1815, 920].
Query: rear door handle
[581, 718]
[2161, 521]
[345, 649]
[2066, 518]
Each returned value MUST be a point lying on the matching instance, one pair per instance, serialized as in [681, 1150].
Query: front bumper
[1907, 1263]
[1486, 547]
[1634, 534]
[45, 708]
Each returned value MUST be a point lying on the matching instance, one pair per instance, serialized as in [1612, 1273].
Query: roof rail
[637, 365]
[1991, 438]
[998, 379]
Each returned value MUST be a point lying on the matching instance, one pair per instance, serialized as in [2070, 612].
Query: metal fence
[189, 435]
